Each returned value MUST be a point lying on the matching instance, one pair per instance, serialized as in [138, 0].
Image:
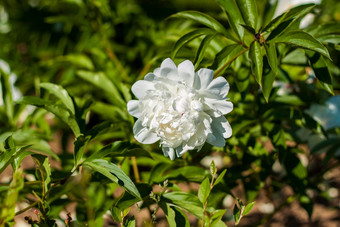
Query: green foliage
[74, 63]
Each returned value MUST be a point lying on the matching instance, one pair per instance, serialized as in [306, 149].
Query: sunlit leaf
[114, 173]
[248, 12]
[205, 20]
[303, 40]
[204, 190]
[60, 93]
[234, 16]
[255, 55]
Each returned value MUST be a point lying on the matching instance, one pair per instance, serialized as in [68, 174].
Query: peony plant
[181, 108]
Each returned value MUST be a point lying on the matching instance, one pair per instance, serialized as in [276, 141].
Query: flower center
[174, 114]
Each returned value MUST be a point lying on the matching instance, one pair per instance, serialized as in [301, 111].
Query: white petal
[169, 152]
[216, 140]
[187, 71]
[218, 107]
[149, 77]
[133, 108]
[168, 63]
[140, 88]
[168, 69]
[222, 126]
[206, 76]
[221, 129]
[219, 86]
[143, 135]
[180, 151]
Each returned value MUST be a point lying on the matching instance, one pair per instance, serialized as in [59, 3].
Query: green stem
[228, 62]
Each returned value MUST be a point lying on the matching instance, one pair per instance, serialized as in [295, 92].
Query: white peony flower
[181, 108]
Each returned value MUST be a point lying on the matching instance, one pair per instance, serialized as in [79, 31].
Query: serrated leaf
[188, 37]
[256, 58]
[248, 12]
[201, 49]
[204, 190]
[248, 208]
[234, 16]
[60, 93]
[115, 174]
[100, 80]
[220, 177]
[303, 40]
[174, 216]
[317, 62]
[185, 201]
[206, 20]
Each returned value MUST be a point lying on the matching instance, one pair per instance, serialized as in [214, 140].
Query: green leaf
[331, 38]
[318, 63]
[242, 78]
[10, 154]
[130, 222]
[128, 200]
[282, 22]
[7, 211]
[248, 208]
[303, 40]
[44, 169]
[272, 56]
[234, 16]
[174, 216]
[216, 218]
[79, 147]
[256, 58]
[6, 95]
[119, 149]
[267, 83]
[212, 168]
[237, 214]
[100, 80]
[201, 49]
[204, 190]
[114, 173]
[249, 29]
[270, 9]
[268, 77]
[185, 201]
[60, 93]
[188, 37]
[248, 12]
[220, 177]
[226, 56]
[188, 173]
[205, 20]
[57, 110]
